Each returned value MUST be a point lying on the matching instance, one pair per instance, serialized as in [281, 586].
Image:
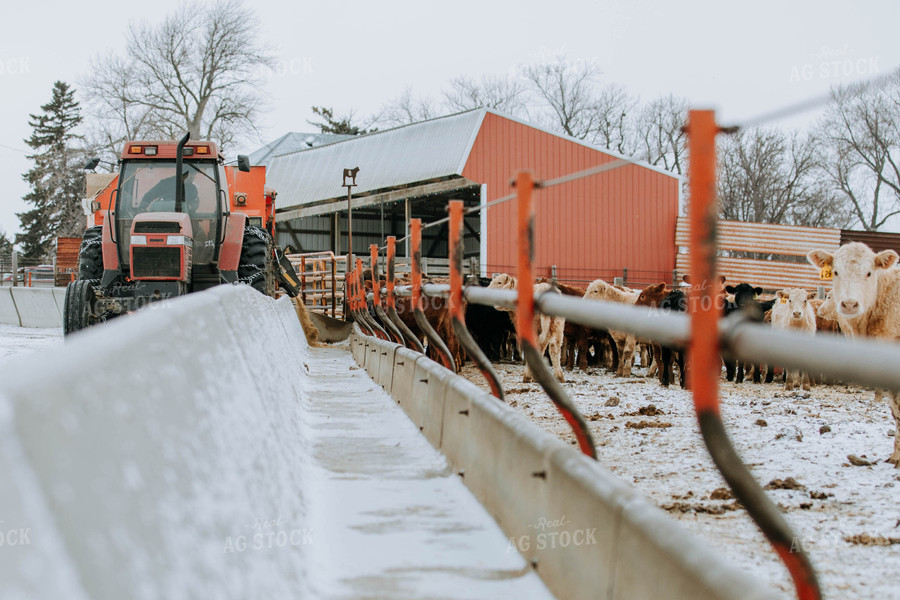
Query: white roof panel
[394, 157]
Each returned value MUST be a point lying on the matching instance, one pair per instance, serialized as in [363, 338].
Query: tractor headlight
[179, 240]
[139, 240]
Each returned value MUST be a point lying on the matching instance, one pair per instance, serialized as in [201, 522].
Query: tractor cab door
[148, 186]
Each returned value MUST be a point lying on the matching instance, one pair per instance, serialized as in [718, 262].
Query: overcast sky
[742, 59]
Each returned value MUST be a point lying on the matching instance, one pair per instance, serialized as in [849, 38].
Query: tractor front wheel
[256, 267]
[90, 255]
[78, 310]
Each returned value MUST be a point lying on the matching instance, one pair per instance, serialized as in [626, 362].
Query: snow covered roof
[292, 142]
[408, 154]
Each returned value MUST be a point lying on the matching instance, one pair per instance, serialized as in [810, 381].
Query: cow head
[675, 300]
[743, 293]
[797, 300]
[827, 309]
[652, 295]
[503, 281]
[855, 270]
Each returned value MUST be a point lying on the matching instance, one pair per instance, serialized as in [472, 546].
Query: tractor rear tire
[90, 255]
[257, 264]
[78, 312]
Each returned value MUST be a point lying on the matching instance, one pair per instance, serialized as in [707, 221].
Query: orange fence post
[434, 340]
[414, 342]
[303, 279]
[389, 327]
[456, 304]
[704, 307]
[534, 356]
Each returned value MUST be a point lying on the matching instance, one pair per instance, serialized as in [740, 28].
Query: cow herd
[864, 301]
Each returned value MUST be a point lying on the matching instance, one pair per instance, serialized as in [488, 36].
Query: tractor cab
[164, 227]
[157, 230]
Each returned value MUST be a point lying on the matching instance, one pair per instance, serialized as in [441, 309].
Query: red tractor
[150, 239]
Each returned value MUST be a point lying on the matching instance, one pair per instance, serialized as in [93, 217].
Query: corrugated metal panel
[386, 159]
[789, 240]
[602, 224]
[768, 274]
[876, 240]
[764, 238]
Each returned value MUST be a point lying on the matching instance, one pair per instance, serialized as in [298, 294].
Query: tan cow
[793, 310]
[625, 342]
[549, 329]
[866, 294]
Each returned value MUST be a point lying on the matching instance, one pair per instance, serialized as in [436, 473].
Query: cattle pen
[702, 332]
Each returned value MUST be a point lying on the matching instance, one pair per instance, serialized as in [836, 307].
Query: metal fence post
[706, 362]
[15, 268]
[625, 276]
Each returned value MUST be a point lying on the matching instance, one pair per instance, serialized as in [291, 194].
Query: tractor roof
[165, 150]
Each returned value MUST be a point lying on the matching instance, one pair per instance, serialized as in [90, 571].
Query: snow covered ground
[648, 436]
[19, 341]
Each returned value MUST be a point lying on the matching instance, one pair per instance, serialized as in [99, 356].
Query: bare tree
[405, 109]
[660, 133]
[861, 134]
[614, 127]
[769, 176]
[568, 91]
[199, 70]
[505, 94]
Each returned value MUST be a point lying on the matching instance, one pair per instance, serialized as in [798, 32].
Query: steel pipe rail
[844, 358]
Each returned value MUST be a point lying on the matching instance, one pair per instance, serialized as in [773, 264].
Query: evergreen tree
[331, 124]
[6, 245]
[56, 179]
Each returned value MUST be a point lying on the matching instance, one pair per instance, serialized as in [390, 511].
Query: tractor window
[149, 186]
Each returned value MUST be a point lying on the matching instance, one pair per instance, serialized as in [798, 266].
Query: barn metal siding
[876, 240]
[589, 228]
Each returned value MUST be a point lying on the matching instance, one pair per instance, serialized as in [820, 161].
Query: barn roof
[431, 150]
[292, 142]
[394, 157]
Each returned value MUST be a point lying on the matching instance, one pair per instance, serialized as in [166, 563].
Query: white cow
[793, 310]
[866, 293]
[549, 329]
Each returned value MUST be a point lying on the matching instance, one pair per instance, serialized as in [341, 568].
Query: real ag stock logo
[553, 534]
[267, 535]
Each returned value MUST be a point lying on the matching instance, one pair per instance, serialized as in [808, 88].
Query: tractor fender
[110, 252]
[230, 254]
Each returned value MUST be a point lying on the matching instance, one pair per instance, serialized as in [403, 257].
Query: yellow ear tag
[783, 300]
[825, 273]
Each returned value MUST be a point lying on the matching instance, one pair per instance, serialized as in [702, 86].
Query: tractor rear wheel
[78, 312]
[90, 255]
[256, 266]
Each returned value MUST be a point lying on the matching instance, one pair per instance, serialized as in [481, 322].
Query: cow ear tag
[825, 273]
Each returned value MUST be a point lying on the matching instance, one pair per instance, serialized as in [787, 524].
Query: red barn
[597, 226]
